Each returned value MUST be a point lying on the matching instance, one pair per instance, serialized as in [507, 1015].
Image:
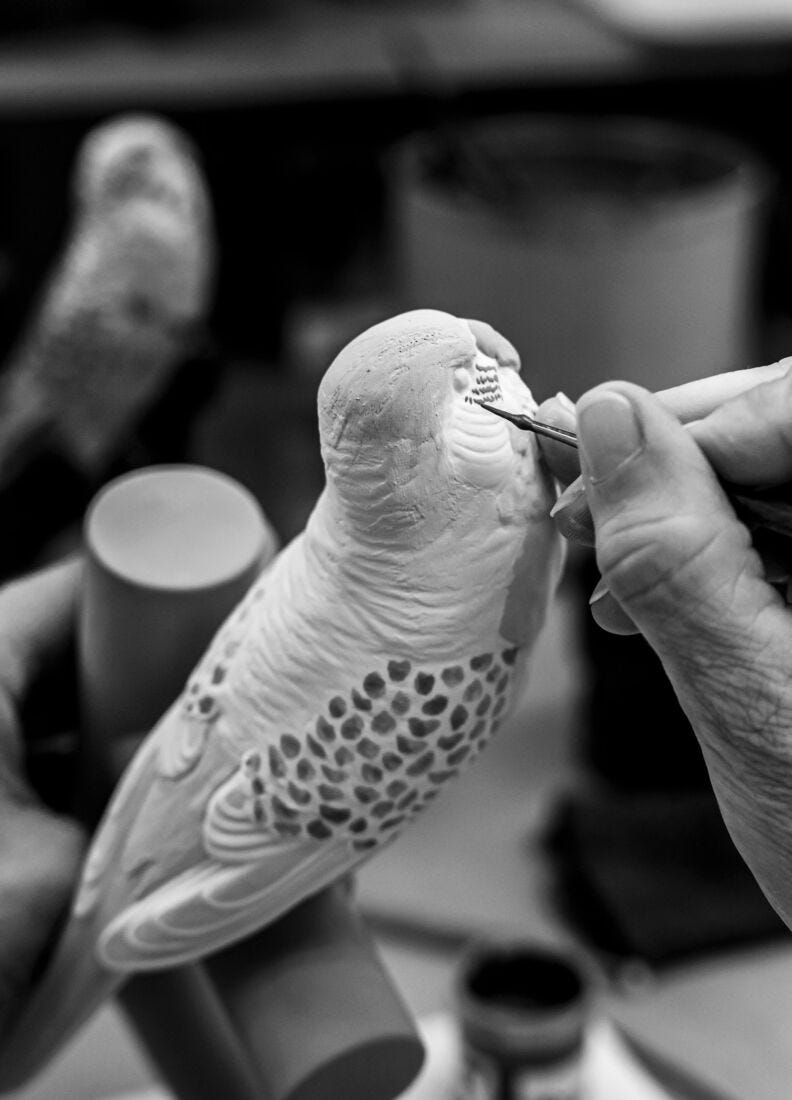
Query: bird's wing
[217, 847]
[213, 904]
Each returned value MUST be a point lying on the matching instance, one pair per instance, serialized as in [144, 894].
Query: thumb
[669, 546]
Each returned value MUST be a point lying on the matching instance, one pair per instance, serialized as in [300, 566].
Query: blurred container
[602, 248]
[522, 1010]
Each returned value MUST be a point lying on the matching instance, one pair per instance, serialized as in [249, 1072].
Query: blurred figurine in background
[124, 309]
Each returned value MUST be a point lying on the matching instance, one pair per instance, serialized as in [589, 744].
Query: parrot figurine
[124, 305]
[367, 666]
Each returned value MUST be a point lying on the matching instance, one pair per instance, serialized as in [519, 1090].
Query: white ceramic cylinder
[601, 249]
[170, 551]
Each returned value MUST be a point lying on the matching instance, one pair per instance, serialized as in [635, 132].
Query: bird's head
[139, 157]
[405, 443]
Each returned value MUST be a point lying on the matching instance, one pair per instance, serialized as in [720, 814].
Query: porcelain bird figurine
[125, 304]
[371, 662]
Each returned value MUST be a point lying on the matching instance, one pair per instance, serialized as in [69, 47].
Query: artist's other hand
[678, 565]
[40, 851]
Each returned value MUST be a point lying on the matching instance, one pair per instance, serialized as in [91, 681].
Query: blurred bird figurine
[369, 664]
[125, 304]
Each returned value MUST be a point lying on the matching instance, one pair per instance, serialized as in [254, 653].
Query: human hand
[679, 567]
[40, 851]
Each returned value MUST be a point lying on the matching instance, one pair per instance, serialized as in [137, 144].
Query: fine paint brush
[758, 508]
[528, 424]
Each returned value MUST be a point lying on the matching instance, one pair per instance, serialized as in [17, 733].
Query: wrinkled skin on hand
[679, 567]
[40, 851]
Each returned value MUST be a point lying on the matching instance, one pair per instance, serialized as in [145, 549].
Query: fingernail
[572, 493]
[609, 434]
[576, 523]
[600, 592]
[565, 402]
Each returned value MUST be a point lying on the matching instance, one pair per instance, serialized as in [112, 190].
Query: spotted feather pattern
[374, 757]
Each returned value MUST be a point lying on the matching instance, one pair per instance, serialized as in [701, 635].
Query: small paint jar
[522, 1010]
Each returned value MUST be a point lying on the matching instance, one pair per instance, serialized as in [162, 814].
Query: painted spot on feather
[398, 671]
[422, 764]
[315, 747]
[400, 703]
[459, 715]
[305, 769]
[277, 764]
[436, 705]
[337, 815]
[473, 691]
[424, 683]
[360, 701]
[352, 727]
[439, 778]
[325, 730]
[368, 748]
[422, 727]
[299, 794]
[383, 722]
[337, 707]
[374, 685]
[333, 775]
[290, 746]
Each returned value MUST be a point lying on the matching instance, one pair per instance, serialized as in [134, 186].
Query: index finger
[697, 399]
[36, 621]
